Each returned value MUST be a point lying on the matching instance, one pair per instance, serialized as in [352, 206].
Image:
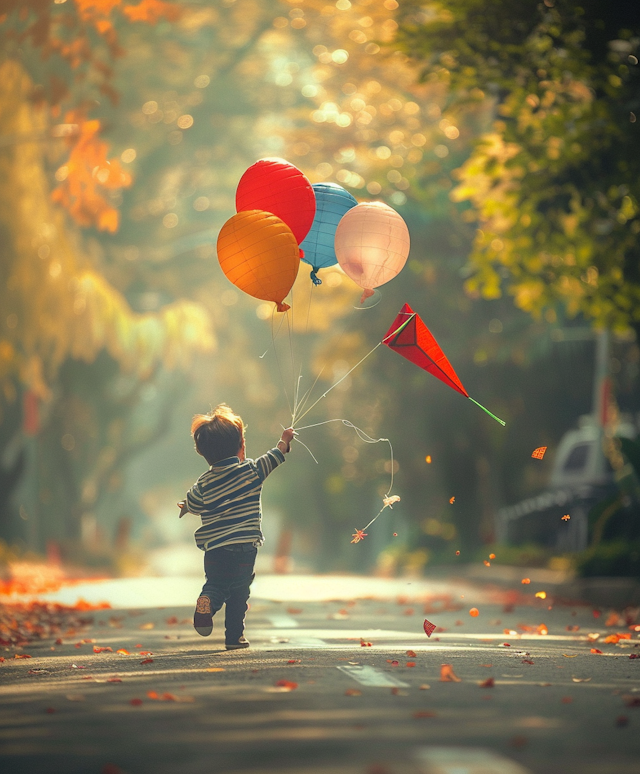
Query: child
[227, 498]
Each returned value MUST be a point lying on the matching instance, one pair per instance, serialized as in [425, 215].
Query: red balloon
[278, 187]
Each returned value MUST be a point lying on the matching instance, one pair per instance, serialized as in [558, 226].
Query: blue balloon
[332, 201]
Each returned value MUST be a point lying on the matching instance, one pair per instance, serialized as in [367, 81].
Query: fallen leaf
[365, 644]
[596, 651]
[114, 679]
[397, 692]
[447, 675]
[392, 662]
[97, 649]
[136, 702]
[172, 620]
[457, 553]
[411, 663]
[294, 610]
[21, 655]
[486, 563]
[612, 619]
[145, 653]
[123, 652]
[352, 692]
[148, 625]
[488, 683]
[593, 637]
[572, 655]
[293, 661]
[581, 679]
[147, 661]
[427, 459]
[286, 684]
[411, 654]
[527, 661]
[425, 687]
[487, 666]
[542, 630]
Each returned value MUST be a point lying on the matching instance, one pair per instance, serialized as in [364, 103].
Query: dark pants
[229, 576]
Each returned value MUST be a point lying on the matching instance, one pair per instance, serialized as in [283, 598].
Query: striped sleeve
[269, 462]
[195, 503]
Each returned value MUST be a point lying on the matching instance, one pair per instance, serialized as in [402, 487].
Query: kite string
[342, 378]
[363, 437]
[335, 384]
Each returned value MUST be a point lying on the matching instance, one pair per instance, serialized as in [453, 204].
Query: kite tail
[502, 422]
[281, 306]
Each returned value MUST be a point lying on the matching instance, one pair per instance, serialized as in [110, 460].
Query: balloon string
[273, 337]
[277, 359]
[296, 402]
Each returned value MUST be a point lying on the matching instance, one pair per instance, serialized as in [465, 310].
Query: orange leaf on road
[447, 675]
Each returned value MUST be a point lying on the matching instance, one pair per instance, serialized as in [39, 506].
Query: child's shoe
[202, 618]
[242, 643]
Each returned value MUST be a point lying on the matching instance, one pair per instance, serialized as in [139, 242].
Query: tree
[553, 183]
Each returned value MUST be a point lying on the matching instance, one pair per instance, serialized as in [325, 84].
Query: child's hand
[183, 508]
[287, 437]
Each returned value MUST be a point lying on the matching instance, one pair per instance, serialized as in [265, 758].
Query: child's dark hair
[218, 434]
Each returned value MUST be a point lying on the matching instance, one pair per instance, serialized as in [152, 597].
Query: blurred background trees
[503, 135]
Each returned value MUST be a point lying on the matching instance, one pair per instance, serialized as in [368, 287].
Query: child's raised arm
[285, 440]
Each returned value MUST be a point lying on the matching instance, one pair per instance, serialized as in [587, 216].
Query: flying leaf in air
[538, 453]
[410, 338]
[429, 628]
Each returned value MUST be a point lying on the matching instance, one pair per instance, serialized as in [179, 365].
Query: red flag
[410, 337]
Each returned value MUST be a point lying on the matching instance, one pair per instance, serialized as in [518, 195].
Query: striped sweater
[227, 498]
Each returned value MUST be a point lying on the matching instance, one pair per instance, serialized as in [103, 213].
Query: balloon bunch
[281, 218]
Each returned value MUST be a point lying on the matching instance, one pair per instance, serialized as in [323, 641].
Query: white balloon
[372, 245]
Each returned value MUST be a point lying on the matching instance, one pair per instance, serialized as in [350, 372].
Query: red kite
[410, 337]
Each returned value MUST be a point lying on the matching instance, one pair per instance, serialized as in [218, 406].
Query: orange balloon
[259, 254]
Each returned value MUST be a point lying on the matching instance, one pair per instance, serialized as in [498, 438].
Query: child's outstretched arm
[284, 444]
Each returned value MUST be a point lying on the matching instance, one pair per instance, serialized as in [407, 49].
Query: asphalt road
[310, 697]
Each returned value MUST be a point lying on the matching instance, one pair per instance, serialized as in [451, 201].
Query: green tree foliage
[553, 182]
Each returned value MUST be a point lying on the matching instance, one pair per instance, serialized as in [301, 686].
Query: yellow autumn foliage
[54, 301]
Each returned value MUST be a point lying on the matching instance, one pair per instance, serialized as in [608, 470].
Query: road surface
[340, 679]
